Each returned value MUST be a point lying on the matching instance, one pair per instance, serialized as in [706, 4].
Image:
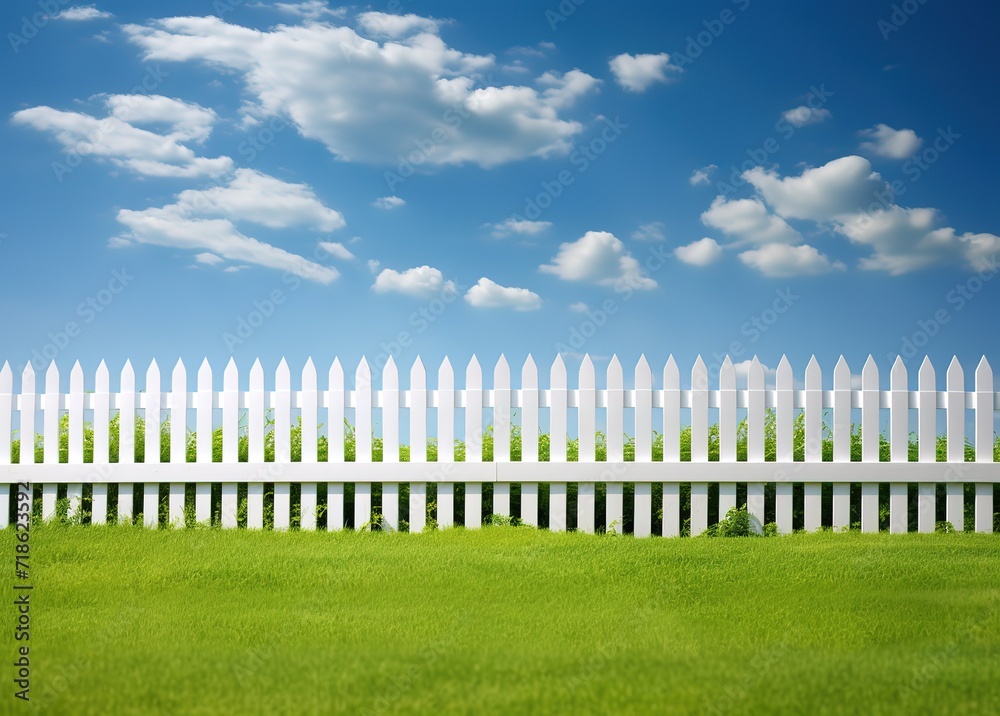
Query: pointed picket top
[178, 379]
[699, 375]
[869, 374]
[309, 379]
[153, 374]
[390, 375]
[558, 372]
[814, 376]
[283, 376]
[52, 378]
[446, 374]
[76, 378]
[336, 375]
[897, 376]
[671, 375]
[841, 374]
[102, 380]
[727, 375]
[501, 374]
[984, 376]
[784, 378]
[205, 376]
[616, 379]
[257, 376]
[128, 378]
[529, 374]
[28, 379]
[6, 379]
[588, 376]
[231, 376]
[643, 374]
[418, 375]
[363, 374]
[755, 376]
[956, 376]
[926, 379]
[474, 374]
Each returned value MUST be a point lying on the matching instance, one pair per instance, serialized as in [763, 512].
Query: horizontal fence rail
[95, 430]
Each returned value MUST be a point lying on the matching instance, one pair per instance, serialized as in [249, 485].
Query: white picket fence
[329, 405]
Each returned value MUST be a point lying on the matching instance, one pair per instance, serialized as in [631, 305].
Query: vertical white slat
[418, 443]
[984, 443]
[230, 440]
[755, 439]
[26, 421]
[899, 422]
[282, 444]
[501, 432]
[615, 508]
[529, 438]
[557, 441]
[699, 444]
[446, 441]
[74, 491]
[102, 443]
[335, 435]
[151, 450]
[870, 444]
[727, 432]
[955, 407]
[255, 447]
[390, 443]
[784, 409]
[204, 399]
[178, 440]
[50, 436]
[643, 446]
[926, 443]
[6, 430]
[841, 441]
[363, 441]
[587, 433]
[473, 440]
[309, 442]
[126, 438]
[671, 446]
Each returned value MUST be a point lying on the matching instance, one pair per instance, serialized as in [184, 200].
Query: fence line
[306, 404]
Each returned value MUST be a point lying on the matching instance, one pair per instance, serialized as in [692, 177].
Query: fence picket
[255, 437]
[955, 407]
[74, 491]
[473, 441]
[615, 507]
[501, 432]
[362, 441]
[102, 444]
[926, 443]
[204, 438]
[755, 439]
[282, 445]
[899, 413]
[643, 526]
[6, 430]
[557, 442]
[869, 443]
[178, 440]
[309, 442]
[784, 437]
[727, 432]
[699, 444]
[230, 440]
[50, 436]
[984, 444]
[335, 413]
[587, 431]
[446, 441]
[529, 438]
[126, 438]
[418, 443]
[390, 442]
[671, 446]
[152, 453]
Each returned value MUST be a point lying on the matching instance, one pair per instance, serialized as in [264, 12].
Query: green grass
[509, 620]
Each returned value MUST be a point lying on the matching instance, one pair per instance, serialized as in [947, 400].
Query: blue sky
[300, 179]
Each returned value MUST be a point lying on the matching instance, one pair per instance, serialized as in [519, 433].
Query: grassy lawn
[508, 620]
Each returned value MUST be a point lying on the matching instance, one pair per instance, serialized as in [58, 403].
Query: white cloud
[373, 265]
[83, 12]
[842, 186]
[702, 176]
[488, 294]
[235, 269]
[209, 259]
[307, 10]
[748, 221]
[336, 250]
[636, 73]
[890, 143]
[652, 231]
[579, 307]
[383, 24]
[562, 91]
[601, 258]
[388, 202]
[420, 282]
[125, 145]
[261, 199]
[376, 102]
[522, 227]
[699, 253]
[803, 115]
[206, 220]
[782, 260]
